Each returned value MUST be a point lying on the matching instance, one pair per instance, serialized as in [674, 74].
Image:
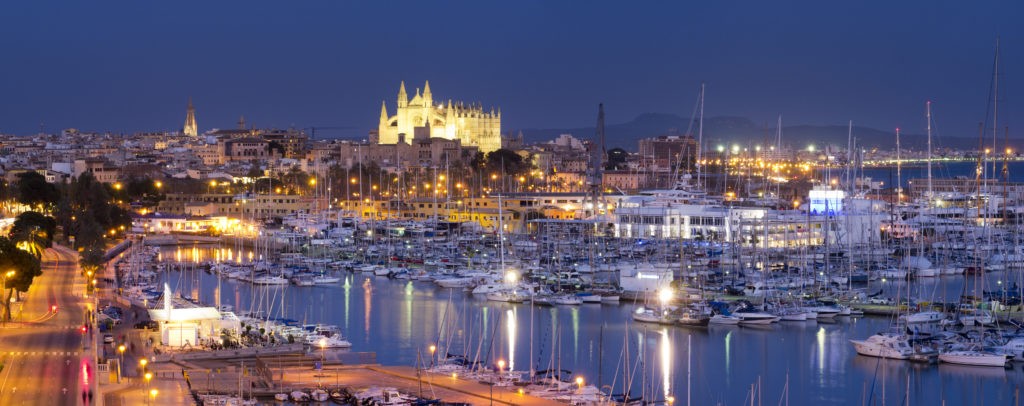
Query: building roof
[185, 314]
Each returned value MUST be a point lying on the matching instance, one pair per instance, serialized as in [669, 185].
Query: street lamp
[579, 386]
[3, 288]
[152, 395]
[142, 364]
[148, 376]
[433, 348]
[120, 350]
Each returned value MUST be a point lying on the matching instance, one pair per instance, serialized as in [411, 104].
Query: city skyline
[128, 67]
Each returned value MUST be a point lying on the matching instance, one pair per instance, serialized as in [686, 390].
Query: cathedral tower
[190, 121]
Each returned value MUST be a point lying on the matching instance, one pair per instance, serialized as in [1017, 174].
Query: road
[45, 354]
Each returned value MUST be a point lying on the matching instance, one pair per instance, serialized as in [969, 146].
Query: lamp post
[579, 386]
[3, 288]
[120, 350]
[149, 376]
[433, 349]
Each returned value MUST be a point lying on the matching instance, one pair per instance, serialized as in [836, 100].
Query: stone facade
[469, 124]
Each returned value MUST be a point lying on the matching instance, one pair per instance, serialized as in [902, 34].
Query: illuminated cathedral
[469, 124]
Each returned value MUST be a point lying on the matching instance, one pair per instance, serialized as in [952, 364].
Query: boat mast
[899, 167]
[700, 134]
[929, 116]
[995, 101]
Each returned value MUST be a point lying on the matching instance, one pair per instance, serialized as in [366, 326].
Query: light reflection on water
[816, 358]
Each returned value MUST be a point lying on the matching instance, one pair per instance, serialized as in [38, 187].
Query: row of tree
[81, 211]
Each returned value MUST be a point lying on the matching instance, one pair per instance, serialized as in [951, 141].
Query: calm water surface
[808, 362]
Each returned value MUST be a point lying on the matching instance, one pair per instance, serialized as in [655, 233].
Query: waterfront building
[469, 124]
[237, 205]
[962, 188]
[163, 223]
[666, 152]
[679, 213]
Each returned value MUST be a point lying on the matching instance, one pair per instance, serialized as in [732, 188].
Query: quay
[1012, 313]
[354, 377]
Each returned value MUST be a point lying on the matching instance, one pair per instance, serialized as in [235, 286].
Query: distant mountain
[729, 130]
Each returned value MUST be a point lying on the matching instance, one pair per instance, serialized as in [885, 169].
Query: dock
[408, 380]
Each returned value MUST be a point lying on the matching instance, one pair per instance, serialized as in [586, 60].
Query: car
[108, 339]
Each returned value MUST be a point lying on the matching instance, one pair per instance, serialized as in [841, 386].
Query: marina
[399, 319]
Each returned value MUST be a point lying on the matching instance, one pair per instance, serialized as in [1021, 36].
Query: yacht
[756, 317]
[269, 280]
[975, 358]
[567, 300]
[722, 319]
[510, 296]
[326, 280]
[320, 341]
[1014, 347]
[645, 315]
[892, 346]
[929, 316]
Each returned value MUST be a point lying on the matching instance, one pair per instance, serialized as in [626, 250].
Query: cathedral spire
[403, 98]
[190, 120]
[428, 99]
[383, 112]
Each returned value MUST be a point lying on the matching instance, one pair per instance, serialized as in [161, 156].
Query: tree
[35, 229]
[506, 162]
[23, 268]
[35, 191]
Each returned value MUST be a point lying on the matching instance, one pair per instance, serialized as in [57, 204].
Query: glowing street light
[120, 350]
[3, 287]
[665, 296]
[152, 392]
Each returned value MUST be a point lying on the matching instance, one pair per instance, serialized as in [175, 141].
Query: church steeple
[190, 120]
[383, 113]
[403, 98]
[428, 99]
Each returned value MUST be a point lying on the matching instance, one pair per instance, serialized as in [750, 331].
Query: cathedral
[420, 117]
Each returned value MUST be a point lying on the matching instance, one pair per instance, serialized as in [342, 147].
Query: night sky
[126, 66]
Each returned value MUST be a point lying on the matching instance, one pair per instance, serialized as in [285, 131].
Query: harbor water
[789, 362]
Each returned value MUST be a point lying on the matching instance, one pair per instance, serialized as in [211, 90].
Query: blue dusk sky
[125, 66]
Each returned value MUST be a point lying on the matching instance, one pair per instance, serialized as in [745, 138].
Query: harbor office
[189, 326]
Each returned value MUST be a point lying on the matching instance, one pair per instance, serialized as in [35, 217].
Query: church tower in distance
[190, 121]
